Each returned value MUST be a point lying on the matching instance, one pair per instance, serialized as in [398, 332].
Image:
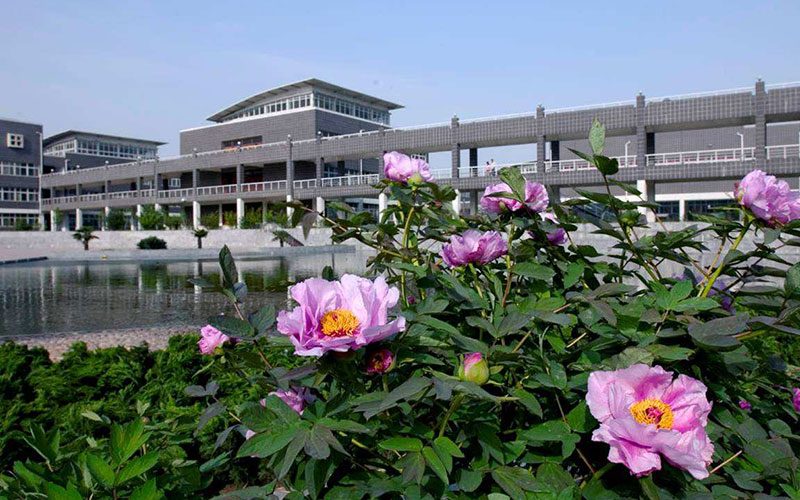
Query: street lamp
[626, 152]
[741, 144]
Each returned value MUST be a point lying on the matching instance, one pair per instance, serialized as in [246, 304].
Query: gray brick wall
[29, 153]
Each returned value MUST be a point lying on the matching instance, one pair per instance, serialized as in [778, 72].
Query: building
[298, 142]
[20, 165]
[74, 150]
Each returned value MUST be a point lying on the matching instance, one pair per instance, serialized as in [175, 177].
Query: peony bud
[380, 361]
[744, 405]
[474, 368]
[211, 339]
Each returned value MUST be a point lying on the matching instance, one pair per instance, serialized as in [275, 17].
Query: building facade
[681, 151]
[20, 166]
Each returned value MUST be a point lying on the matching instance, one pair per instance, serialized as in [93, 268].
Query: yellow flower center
[339, 323]
[653, 411]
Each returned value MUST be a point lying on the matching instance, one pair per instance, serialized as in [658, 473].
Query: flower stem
[405, 245]
[508, 265]
[718, 270]
[454, 404]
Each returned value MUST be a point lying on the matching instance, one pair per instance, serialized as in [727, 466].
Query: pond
[47, 298]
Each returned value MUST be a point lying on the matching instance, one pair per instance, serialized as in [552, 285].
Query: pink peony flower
[402, 168]
[645, 414]
[380, 361]
[211, 339]
[744, 405]
[474, 247]
[768, 198]
[474, 368]
[295, 398]
[559, 235]
[796, 399]
[339, 315]
[536, 198]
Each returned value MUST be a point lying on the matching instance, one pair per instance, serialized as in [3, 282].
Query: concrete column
[138, 215]
[383, 202]
[264, 212]
[541, 142]
[682, 209]
[156, 184]
[78, 218]
[320, 205]
[195, 214]
[78, 189]
[320, 171]
[554, 193]
[648, 190]
[641, 132]
[289, 175]
[455, 148]
[289, 210]
[474, 196]
[761, 124]
[221, 218]
[239, 177]
[457, 202]
[195, 181]
[239, 212]
[53, 227]
[106, 211]
[157, 206]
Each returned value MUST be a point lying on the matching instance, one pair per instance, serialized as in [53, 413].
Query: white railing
[785, 151]
[91, 197]
[214, 190]
[493, 170]
[349, 180]
[121, 195]
[586, 107]
[176, 193]
[694, 95]
[305, 184]
[442, 173]
[698, 157]
[258, 187]
[581, 164]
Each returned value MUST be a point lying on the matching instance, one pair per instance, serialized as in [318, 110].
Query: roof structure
[67, 133]
[310, 82]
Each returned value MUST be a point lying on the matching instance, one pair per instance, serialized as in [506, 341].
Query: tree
[58, 218]
[115, 220]
[84, 235]
[200, 234]
[151, 218]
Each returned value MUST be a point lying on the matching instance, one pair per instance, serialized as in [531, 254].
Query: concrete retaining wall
[182, 239]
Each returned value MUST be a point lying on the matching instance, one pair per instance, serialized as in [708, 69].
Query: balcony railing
[176, 193]
[491, 170]
[785, 151]
[121, 195]
[259, 187]
[350, 180]
[699, 157]
[214, 190]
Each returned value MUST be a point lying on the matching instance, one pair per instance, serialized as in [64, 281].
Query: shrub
[252, 219]
[522, 365]
[152, 243]
[210, 221]
[115, 220]
[151, 219]
[229, 219]
[175, 221]
[23, 225]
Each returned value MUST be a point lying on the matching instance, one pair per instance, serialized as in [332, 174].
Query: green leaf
[528, 400]
[597, 137]
[147, 491]
[606, 166]
[579, 418]
[398, 443]
[435, 463]
[209, 413]
[100, 470]
[447, 446]
[792, 282]
[56, 492]
[413, 466]
[669, 353]
[552, 430]
[696, 303]
[574, 273]
[263, 320]
[137, 467]
[468, 480]
[125, 440]
[228, 267]
[317, 447]
[297, 444]
[267, 443]
[514, 480]
[92, 416]
[535, 271]
[513, 177]
[718, 333]
[233, 327]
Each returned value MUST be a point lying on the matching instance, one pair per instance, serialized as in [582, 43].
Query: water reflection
[84, 297]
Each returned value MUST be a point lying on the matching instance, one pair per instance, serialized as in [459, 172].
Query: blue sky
[149, 69]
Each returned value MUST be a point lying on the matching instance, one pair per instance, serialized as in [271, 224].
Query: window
[16, 141]
[19, 194]
[10, 220]
[710, 206]
[669, 210]
[175, 183]
[19, 169]
[244, 141]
